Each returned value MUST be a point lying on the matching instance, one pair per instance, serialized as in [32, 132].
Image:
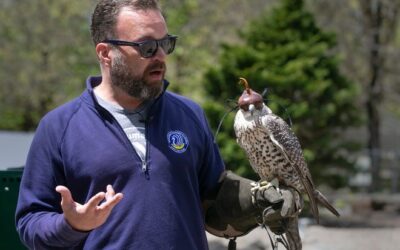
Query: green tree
[45, 56]
[46, 50]
[199, 37]
[285, 51]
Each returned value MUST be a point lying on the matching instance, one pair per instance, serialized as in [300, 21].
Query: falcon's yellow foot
[263, 184]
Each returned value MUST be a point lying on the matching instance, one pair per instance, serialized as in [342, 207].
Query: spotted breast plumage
[273, 150]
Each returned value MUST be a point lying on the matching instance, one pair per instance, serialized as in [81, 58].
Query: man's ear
[103, 53]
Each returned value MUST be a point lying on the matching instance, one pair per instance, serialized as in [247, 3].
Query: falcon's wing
[286, 140]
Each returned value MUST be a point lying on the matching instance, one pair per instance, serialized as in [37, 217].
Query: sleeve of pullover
[39, 219]
[213, 165]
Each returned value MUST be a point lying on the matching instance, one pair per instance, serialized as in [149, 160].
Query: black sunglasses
[149, 48]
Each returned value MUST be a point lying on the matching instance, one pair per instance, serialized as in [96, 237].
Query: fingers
[95, 200]
[112, 199]
[93, 213]
[110, 192]
[288, 203]
[285, 209]
[66, 197]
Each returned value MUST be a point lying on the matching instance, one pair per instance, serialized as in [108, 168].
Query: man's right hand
[92, 214]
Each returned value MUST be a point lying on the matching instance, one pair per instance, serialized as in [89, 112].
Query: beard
[134, 84]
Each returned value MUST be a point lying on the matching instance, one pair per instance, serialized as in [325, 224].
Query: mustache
[156, 66]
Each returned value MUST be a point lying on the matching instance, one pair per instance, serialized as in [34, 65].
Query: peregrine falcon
[273, 150]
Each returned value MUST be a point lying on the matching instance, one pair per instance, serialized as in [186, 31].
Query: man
[125, 133]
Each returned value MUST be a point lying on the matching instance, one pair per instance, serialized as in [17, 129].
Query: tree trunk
[373, 14]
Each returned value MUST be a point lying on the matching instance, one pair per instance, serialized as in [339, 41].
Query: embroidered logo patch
[177, 141]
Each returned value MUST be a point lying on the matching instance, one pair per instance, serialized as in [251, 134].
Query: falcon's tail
[324, 201]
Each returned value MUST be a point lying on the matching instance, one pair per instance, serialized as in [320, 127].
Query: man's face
[139, 77]
[135, 83]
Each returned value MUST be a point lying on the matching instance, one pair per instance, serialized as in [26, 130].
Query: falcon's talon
[260, 185]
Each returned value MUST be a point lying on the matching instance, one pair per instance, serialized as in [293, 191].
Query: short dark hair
[105, 15]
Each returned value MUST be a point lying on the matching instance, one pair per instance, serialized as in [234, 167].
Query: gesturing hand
[90, 215]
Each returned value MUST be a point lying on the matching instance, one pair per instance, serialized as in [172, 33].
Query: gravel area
[321, 238]
[367, 222]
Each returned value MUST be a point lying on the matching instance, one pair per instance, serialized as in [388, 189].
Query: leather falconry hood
[248, 96]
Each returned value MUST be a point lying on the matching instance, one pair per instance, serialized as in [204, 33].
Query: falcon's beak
[251, 108]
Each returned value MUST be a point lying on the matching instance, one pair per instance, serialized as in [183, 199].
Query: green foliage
[201, 26]
[45, 56]
[287, 53]
[46, 51]
[181, 70]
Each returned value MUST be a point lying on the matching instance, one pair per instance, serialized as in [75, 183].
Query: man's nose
[160, 54]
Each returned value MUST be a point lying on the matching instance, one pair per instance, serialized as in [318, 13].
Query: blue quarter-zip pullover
[80, 145]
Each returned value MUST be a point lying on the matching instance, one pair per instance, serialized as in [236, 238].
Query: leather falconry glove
[237, 208]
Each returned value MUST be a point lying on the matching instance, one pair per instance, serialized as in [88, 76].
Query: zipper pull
[144, 166]
[145, 170]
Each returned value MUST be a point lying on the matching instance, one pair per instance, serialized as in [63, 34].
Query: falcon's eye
[245, 107]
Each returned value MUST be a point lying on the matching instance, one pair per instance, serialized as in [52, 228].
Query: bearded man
[128, 164]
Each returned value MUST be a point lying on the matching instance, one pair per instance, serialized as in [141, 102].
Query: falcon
[273, 150]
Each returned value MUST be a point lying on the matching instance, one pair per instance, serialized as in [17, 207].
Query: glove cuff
[232, 213]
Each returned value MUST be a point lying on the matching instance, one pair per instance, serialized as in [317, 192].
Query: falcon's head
[251, 103]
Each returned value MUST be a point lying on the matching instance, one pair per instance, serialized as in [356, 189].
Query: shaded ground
[368, 222]
[322, 238]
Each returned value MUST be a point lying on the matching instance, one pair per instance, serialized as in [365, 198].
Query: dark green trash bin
[9, 187]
